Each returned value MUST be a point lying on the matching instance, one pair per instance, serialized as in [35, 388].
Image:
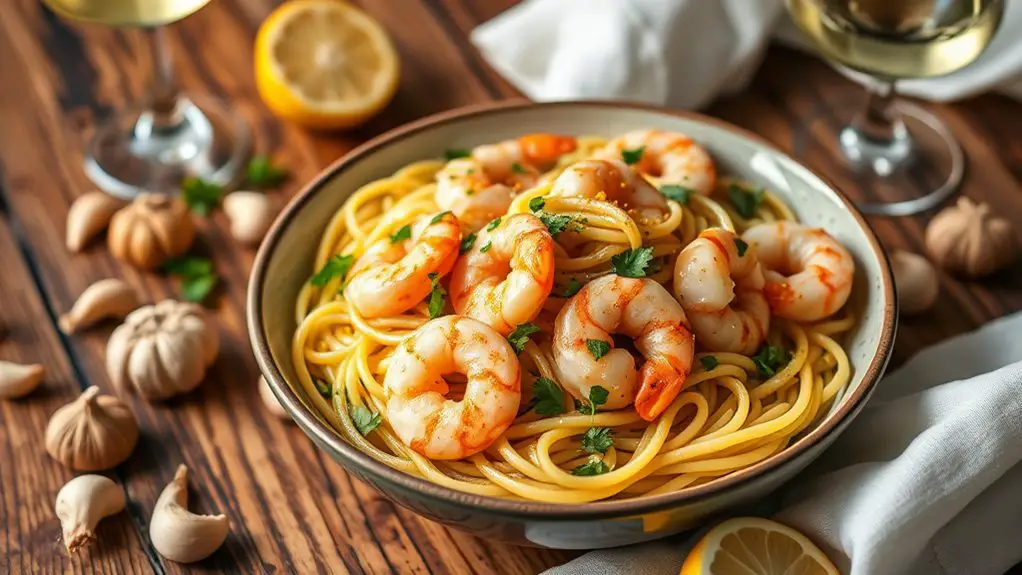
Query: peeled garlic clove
[916, 281]
[88, 216]
[103, 299]
[92, 432]
[17, 380]
[180, 535]
[270, 400]
[250, 214]
[81, 503]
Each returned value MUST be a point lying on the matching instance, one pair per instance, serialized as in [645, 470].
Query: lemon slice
[754, 546]
[324, 64]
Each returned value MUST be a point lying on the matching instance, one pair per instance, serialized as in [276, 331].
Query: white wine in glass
[891, 40]
[171, 136]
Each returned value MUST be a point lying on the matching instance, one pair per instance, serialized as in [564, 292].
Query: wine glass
[889, 147]
[171, 136]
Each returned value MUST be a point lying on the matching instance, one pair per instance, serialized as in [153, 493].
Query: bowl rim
[325, 436]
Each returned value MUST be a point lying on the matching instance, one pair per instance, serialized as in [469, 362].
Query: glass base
[131, 153]
[919, 168]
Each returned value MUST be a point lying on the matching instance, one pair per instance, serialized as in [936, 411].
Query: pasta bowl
[286, 258]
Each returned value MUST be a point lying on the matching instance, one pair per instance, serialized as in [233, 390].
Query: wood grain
[292, 509]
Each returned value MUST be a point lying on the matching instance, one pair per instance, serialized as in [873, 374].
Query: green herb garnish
[597, 347]
[436, 219]
[741, 246]
[597, 440]
[493, 225]
[437, 295]
[486, 247]
[322, 387]
[709, 362]
[745, 201]
[597, 397]
[677, 193]
[632, 263]
[770, 359]
[518, 169]
[592, 467]
[632, 156]
[572, 288]
[536, 204]
[337, 266]
[555, 223]
[549, 397]
[197, 277]
[520, 336]
[455, 153]
[404, 233]
[261, 172]
[467, 242]
[364, 420]
[201, 196]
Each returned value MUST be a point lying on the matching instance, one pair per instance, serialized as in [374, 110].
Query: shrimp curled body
[505, 278]
[672, 157]
[808, 273]
[390, 279]
[417, 409]
[641, 309]
[721, 289]
[614, 181]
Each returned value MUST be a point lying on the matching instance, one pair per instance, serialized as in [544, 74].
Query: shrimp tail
[543, 148]
[661, 384]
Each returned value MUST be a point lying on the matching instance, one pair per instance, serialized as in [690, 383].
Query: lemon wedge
[755, 546]
[324, 64]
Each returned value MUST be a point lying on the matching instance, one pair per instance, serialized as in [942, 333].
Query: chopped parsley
[405, 233]
[536, 204]
[741, 246]
[597, 440]
[436, 219]
[322, 387]
[632, 156]
[188, 266]
[597, 397]
[677, 193]
[592, 467]
[337, 266]
[201, 196]
[455, 153]
[597, 347]
[493, 225]
[518, 169]
[770, 359]
[709, 362]
[572, 288]
[745, 201]
[261, 172]
[364, 420]
[520, 336]
[486, 247]
[632, 263]
[549, 397]
[467, 242]
[555, 223]
[197, 277]
[437, 293]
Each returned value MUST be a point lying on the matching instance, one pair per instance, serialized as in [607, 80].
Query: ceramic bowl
[286, 257]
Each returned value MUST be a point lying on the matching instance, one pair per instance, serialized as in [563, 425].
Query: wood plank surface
[292, 509]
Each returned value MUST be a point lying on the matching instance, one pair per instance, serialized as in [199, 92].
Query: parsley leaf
[197, 277]
[201, 196]
[520, 336]
[632, 156]
[741, 246]
[336, 266]
[322, 387]
[597, 347]
[467, 242]
[455, 153]
[549, 397]
[493, 225]
[536, 204]
[518, 169]
[633, 263]
[437, 293]
[261, 172]
[572, 288]
[597, 397]
[709, 362]
[405, 233]
[770, 359]
[597, 440]
[745, 201]
[555, 223]
[592, 467]
[197, 288]
[188, 266]
[677, 193]
[364, 420]
[486, 247]
[436, 219]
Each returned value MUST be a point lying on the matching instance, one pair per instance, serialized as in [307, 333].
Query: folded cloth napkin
[683, 52]
[926, 481]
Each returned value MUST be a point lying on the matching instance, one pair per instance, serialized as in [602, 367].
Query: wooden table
[291, 507]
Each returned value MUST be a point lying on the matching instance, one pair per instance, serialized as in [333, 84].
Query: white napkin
[926, 481]
[683, 52]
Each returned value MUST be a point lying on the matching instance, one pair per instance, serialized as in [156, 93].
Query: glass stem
[163, 112]
[879, 122]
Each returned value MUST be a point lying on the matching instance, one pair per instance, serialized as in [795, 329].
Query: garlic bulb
[916, 281]
[88, 216]
[106, 298]
[250, 213]
[162, 350]
[969, 240]
[18, 380]
[177, 533]
[150, 230]
[91, 433]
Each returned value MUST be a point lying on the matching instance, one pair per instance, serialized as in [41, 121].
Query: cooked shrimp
[479, 188]
[808, 273]
[390, 279]
[641, 309]
[614, 181]
[507, 275]
[672, 157]
[417, 409]
[721, 289]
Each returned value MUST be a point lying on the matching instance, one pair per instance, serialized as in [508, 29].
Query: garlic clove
[270, 401]
[250, 214]
[916, 281]
[93, 432]
[180, 535]
[88, 216]
[17, 380]
[109, 298]
[81, 503]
